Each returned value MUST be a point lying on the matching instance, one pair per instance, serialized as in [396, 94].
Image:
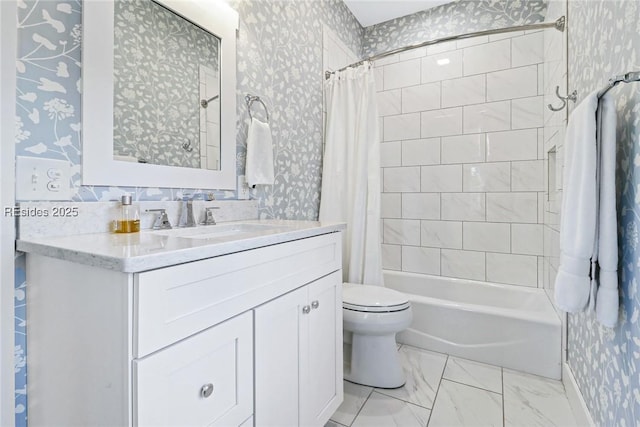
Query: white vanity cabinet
[298, 348]
[177, 345]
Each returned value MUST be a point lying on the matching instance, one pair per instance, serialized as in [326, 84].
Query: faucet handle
[208, 216]
[162, 220]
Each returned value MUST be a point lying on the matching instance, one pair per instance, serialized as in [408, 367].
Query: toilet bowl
[374, 315]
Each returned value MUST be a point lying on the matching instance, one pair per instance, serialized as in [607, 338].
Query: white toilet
[374, 314]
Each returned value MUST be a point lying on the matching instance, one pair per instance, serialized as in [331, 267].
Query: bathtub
[510, 326]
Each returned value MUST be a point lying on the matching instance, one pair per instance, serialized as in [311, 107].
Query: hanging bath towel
[607, 299]
[579, 206]
[588, 229]
[259, 166]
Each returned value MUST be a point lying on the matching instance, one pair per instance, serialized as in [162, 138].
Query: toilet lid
[375, 299]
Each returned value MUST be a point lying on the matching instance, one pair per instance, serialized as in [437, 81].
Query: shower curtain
[351, 171]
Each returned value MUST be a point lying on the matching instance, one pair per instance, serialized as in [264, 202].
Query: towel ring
[250, 99]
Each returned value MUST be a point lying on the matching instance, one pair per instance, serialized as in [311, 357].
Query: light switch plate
[42, 179]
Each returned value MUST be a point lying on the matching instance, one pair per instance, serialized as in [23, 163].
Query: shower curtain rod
[559, 25]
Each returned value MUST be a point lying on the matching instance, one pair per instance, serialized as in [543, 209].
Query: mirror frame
[98, 166]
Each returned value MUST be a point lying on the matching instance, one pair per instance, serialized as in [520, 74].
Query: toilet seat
[373, 299]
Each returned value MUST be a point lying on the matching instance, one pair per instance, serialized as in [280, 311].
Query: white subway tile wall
[554, 73]
[402, 74]
[464, 149]
[464, 91]
[436, 68]
[391, 154]
[513, 83]
[421, 98]
[463, 159]
[416, 152]
[526, 113]
[442, 122]
[442, 234]
[489, 117]
[418, 259]
[403, 126]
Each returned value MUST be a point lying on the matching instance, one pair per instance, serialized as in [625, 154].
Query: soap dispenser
[128, 220]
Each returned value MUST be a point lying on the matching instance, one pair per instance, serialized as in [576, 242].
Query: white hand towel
[578, 217]
[607, 299]
[259, 166]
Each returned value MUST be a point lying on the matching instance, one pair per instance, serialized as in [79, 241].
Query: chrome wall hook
[573, 96]
[187, 146]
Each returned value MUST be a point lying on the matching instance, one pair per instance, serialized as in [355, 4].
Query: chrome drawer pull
[306, 309]
[315, 304]
[206, 390]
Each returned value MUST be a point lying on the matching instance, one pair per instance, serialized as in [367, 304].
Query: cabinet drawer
[175, 302]
[172, 386]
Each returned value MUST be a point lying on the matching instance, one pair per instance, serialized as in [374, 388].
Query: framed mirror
[160, 109]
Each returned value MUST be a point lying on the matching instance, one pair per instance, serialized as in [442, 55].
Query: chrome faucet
[208, 216]
[162, 221]
[186, 215]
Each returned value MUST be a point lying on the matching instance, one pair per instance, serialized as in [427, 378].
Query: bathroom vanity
[210, 326]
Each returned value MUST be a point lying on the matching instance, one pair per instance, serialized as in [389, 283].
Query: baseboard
[578, 405]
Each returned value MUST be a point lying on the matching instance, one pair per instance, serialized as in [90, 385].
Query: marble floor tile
[475, 374]
[535, 401]
[355, 395]
[423, 370]
[381, 410]
[462, 405]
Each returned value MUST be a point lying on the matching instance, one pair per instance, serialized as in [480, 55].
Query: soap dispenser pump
[128, 220]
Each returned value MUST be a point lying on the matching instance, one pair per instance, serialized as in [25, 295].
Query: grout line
[474, 386]
[363, 404]
[438, 389]
[381, 391]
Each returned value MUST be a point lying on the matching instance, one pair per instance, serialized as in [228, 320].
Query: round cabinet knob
[206, 390]
[306, 309]
[315, 304]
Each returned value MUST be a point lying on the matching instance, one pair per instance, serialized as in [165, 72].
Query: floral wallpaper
[604, 40]
[49, 85]
[20, 353]
[453, 18]
[281, 61]
[157, 90]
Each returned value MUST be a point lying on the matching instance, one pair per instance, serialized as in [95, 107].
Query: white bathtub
[510, 326]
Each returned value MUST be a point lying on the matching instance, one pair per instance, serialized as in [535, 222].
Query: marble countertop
[148, 250]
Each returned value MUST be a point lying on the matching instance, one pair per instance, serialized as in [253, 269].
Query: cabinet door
[205, 380]
[276, 359]
[321, 352]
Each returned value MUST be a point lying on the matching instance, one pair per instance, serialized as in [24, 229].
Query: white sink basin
[226, 231]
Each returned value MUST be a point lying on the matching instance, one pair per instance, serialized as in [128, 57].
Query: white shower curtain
[351, 171]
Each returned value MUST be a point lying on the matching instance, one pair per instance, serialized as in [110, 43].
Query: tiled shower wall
[555, 75]
[462, 159]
